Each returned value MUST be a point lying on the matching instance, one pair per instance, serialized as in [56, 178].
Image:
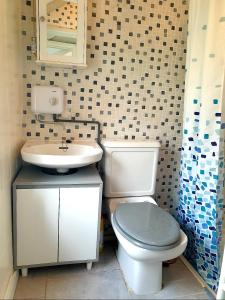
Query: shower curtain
[202, 158]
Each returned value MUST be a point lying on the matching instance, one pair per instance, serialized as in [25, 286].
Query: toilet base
[142, 277]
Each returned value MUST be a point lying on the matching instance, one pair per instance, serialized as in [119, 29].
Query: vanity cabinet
[56, 219]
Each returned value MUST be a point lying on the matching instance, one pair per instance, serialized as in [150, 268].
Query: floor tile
[175, 271]
[107, 260]
[85, 285]
[179, 288]
[31, 287]
[202, 296]
[104, 281]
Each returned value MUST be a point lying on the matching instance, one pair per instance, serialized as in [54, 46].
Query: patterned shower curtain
[202, 158]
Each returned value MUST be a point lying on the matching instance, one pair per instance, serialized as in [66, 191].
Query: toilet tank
[129, 168]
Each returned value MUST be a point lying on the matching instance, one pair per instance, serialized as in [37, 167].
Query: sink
[61, 156]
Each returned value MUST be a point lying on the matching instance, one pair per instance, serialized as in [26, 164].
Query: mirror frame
[56, 60]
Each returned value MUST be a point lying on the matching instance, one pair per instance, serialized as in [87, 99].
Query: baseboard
[11, 287]
[196, 275]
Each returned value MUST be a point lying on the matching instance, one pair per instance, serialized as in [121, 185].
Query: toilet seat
[112, 203]
[147, 225]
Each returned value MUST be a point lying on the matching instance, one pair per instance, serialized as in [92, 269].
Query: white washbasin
[62, 157]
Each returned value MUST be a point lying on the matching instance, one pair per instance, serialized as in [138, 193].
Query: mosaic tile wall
[134, 82]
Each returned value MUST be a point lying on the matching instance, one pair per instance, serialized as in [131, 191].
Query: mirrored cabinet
[61, 32]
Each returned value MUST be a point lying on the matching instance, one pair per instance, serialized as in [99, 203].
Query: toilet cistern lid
[147, 225]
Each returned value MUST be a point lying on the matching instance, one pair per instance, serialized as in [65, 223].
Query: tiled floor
[104, 281]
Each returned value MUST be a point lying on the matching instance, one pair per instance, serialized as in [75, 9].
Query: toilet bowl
[147, 234]
[142, 268]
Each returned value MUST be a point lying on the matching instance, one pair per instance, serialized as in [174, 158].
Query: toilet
[147, 235]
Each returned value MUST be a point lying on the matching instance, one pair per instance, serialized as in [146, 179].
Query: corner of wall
[11, 287]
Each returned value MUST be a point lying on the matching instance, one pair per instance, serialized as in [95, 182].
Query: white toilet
[147, 234]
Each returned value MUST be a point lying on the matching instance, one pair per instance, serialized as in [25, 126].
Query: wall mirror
[61, 32]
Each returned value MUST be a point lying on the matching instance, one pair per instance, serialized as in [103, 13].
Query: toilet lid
[147, 225]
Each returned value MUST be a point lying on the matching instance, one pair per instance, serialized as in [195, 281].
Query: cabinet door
[78, 223]
[61, 28]
[37, 226]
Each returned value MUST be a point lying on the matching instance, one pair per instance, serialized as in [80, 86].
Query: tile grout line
[191, 295]
[46, 283]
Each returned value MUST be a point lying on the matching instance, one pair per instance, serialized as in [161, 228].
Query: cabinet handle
[42, 19]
